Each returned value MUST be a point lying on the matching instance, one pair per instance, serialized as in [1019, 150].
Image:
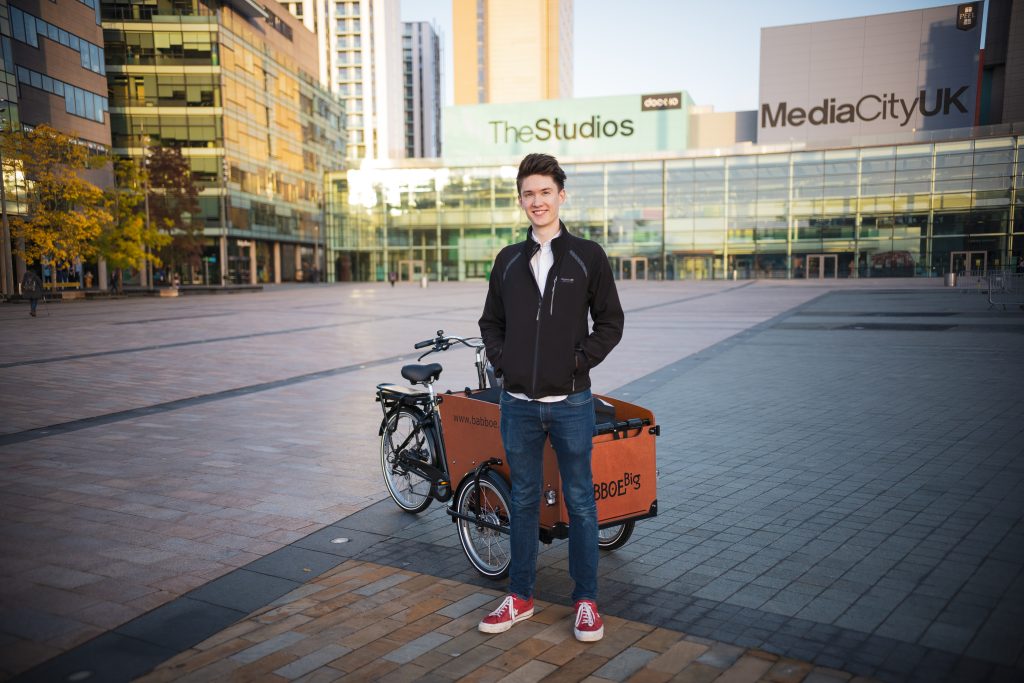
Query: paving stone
[625, 664]
[466, 605]
[677, 657]
[415, 648]
[261, 649]
[382, 584]
[529, 673]
[312, 661]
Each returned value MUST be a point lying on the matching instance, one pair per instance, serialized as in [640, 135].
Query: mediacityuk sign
[888, 73]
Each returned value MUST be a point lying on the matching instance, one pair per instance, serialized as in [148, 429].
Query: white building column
[298, 261]
[223, 260]
[253, 275]
[277, 263]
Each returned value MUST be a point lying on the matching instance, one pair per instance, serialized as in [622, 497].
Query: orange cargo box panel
[624, 463]
[472, 434]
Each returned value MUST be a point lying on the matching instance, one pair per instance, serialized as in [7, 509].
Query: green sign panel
[586, 127]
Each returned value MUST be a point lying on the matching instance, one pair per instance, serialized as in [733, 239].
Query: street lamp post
[316, 251]
[225, 215]
[145, 198]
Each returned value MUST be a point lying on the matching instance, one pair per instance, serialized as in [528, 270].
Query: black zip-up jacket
[541, 345]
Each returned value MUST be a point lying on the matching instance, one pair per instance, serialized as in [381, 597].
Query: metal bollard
[950, 279]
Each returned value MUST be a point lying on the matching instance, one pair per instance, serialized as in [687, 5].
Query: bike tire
[410, 491]
[488, 550]
[613, 537]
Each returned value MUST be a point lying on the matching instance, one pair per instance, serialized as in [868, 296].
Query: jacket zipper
[536, 344]
[554, 284]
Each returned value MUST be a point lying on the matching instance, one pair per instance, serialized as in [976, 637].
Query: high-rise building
[359, 43]
[1003, 63]
[8, 120]
[421, 57]
[234, 86]
[55, 51]
[59, 63]
[512, 50]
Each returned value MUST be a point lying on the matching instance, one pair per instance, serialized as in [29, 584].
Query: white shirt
[540, 266]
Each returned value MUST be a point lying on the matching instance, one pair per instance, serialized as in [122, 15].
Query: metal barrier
[972, 280]
[1005, 288]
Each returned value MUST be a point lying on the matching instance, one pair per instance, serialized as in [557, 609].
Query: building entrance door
[821, 266]
[411, 271]
[968, 262]
[694, 267]
[633, 268]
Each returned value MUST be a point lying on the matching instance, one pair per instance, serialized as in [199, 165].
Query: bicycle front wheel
[616, 536]
[409, 490]
[488, 550]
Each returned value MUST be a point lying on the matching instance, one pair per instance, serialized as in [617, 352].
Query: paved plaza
[841, 491]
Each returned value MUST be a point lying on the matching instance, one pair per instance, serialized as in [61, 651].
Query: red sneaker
[510, 611]
[589, 626]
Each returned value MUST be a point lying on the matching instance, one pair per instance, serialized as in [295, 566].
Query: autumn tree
[174, 206]
[126, 241]
[65, 212]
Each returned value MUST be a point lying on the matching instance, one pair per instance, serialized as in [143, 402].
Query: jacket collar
[558, 246]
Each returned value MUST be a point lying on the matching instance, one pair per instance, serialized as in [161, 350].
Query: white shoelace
[585, 614]
[509, 604]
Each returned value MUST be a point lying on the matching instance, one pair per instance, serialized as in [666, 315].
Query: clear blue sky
[710, 49]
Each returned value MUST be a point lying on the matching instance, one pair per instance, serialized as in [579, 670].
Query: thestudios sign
[887, 73]
[581, 127]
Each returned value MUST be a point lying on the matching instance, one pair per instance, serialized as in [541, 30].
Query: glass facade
[915, 209]
[239, 98]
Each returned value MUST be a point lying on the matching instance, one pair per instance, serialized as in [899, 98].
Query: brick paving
[362, 621]
[827, 494]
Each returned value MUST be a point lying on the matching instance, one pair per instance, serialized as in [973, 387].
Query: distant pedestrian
[392, 277]
[1020, 264]
[32, 289]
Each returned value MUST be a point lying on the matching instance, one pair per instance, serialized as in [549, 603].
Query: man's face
[540, 198]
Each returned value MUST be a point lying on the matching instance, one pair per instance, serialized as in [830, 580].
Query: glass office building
[915, 209]
[885, 159]
[234, 86]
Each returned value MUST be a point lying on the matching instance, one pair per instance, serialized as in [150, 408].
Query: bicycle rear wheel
[409, 490]
[488, 550]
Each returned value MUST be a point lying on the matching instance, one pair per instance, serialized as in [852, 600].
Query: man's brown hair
[540, 164]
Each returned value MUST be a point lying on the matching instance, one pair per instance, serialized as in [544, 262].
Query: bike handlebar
[442, 343]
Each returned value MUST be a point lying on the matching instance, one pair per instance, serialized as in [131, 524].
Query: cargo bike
[448, 447]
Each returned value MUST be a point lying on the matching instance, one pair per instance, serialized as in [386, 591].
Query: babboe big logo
[617, 487]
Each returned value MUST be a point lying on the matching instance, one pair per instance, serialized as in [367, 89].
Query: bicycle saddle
[418, 374]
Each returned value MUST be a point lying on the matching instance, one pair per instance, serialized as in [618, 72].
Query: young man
[535, 328]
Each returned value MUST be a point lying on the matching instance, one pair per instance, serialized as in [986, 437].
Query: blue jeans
[525, 426]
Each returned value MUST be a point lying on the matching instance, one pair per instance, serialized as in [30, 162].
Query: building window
[77, 101]
[27, 29]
